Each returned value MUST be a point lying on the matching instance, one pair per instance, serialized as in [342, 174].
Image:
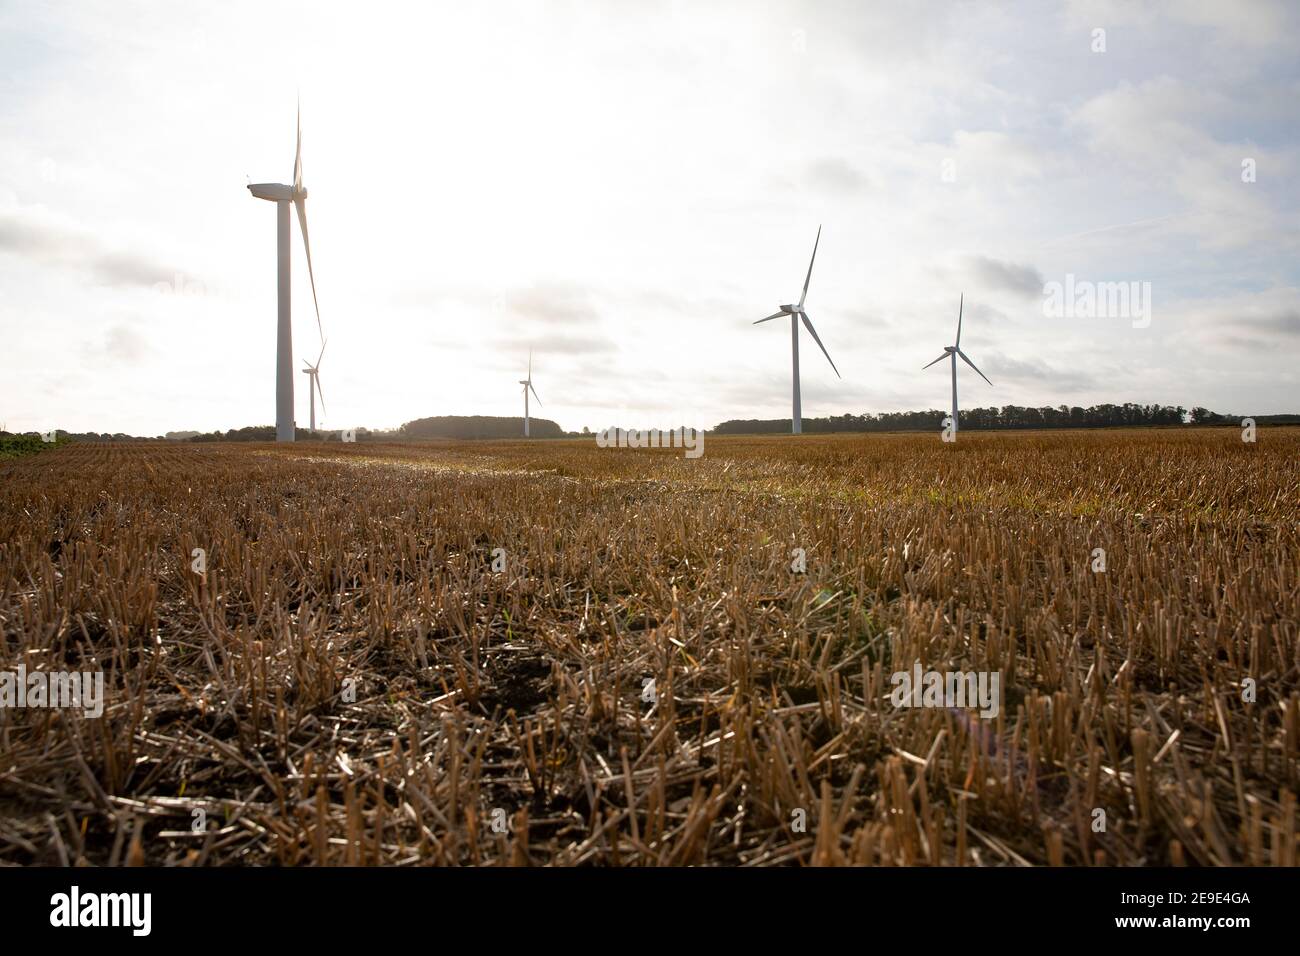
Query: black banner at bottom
[381, 906]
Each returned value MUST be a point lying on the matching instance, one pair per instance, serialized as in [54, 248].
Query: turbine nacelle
[788, 309]
[275, 192]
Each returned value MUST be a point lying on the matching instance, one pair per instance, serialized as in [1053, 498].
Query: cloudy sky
[625, 188]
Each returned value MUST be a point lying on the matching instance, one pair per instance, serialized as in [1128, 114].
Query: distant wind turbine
[313, 385]
[284, 196]
[527, 383]
[952, 351]
[796, 312]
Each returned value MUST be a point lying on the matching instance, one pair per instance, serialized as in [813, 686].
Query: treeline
[268, 433]
[106, 436]
[1203, 416]
[1128, 415]
[442, 426]
[477, 427]
[265, 433]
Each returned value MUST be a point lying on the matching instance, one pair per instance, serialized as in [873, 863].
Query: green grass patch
[16, 446]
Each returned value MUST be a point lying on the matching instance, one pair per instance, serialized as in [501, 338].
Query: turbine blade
[316, 379]
[810, 265]
[302, 222]
[530, 366]
[960, 302]
[939, 359]
[534, 391]
[808, 325]
[972, 365]
[770, 318]
[322, 353]
[297, 156]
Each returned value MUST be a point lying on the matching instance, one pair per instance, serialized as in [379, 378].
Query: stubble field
[359, 676]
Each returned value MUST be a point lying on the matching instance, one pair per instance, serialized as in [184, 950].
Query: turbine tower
[951, 352]
[796, 313]
[527, 383]
[285, 196]
[313, 384]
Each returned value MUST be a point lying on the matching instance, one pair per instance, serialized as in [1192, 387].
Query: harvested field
[358, 677]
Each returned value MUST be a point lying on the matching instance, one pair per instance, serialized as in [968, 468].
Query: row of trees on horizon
[1128, 415]
[480, 427]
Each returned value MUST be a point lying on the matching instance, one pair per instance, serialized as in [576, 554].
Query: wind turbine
[284, 196]
[952, 351]
[527, 383]
[796, 312]
[313, 385]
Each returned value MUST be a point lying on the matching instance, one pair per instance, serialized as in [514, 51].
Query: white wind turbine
[796, 313]
[951, 352]
[527, 383]
[313, 385]
[285, 196]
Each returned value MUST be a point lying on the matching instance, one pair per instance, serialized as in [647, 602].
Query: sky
[625, 188]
